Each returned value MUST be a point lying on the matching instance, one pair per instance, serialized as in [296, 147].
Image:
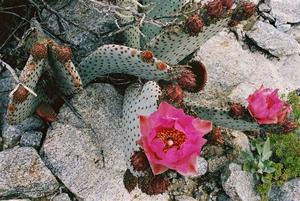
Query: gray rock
[238, 184]
[272, 40]
[295, 32]
[31, 139]
[185, 198]
[62, 197]
[73, 152]
[288, 10]
[12, 133]
[6, 85]
[264, 7]
[92, 20]
[216, 163]
[23, 173]
[290, 191]
[284, 27]
[268, 16]
[241, 140]
[234, 72]
[11, 136]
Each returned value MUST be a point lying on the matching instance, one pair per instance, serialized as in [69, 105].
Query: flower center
[171, 137]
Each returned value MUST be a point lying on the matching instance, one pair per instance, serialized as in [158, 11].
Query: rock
[238, 184]
[92, 19]
[62, 197]
[268, 16]
[216, 163]
[11, 136]
[241, 140]
[288, 10]
[264, 7]
[272, 40]
[16, 200]
[73, 152]
[284, 27]
[6, 85]
[12, 133]
[23, 173]
[234, 72]
[31, 139]
[185, 198]
[295, 32]
[290, 191]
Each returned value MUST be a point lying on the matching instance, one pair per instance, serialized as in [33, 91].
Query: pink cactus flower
[266, 107]
[172, 140]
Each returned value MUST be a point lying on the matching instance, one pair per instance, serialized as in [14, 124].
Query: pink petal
[158, 169]
[203, 126]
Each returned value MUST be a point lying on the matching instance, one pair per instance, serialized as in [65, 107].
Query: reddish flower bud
[215, 8]
[20, 94]
[175, 93]
[39, 51]
[236, 110]
[139, 161]
[46, 112]
[289, 126]
[63, 54]
[228, 3]
[217, 136]
[194, 24]
[187, 80]
[147, 56]
[159, 184]
[249, 9]
[130, 181]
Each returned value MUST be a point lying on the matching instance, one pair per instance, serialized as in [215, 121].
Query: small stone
[264, 7]
[23, 173]
[11, 136]
[268, 17]
[238, 184]
[272, 40]
[284, 27]
[31, 139]
[241, 140]
[216, 163]
[185, 198]
[290, 191]
[62, 197]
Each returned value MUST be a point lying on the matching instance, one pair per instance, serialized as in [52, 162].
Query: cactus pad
[174, 44]
[138, 100]
[121, 59]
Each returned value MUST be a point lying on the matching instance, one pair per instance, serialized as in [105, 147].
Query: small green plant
[259, 163]
[294, 100]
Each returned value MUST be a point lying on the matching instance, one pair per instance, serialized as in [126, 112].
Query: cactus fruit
[138, 100]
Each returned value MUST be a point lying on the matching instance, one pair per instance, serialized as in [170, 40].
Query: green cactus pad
[159, 8]
[19, 111]
[66, 77]
[120, 59]
[131, 35]
[174, 44]
[138, 100]
[220, 117]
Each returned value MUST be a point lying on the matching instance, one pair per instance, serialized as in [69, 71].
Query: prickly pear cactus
[138, 100]
[132, 35]
[121, 59]
[158, 9]
[219, 117]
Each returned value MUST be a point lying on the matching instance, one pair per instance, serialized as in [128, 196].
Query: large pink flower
[172, 140]
[266, 107]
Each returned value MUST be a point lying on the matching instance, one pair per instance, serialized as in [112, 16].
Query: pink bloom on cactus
[172, 140]
[266, 107]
